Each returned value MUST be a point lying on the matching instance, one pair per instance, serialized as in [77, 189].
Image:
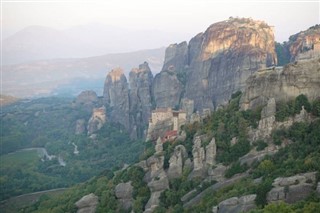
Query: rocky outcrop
[283, 84]
[140, 80]
[198, 154]
[176, 162]
[123, 192]
[203, 158]
[217, 173]
[224, 56]
[235, 204]
[167, 89]
[116, 96]
[214, 64]
[156, 178]
[87, 204]
[211, 152]
[176, 57]
[305, 44]
[97, 120]
[292, 189]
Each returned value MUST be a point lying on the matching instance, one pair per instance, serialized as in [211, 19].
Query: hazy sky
[185, 16]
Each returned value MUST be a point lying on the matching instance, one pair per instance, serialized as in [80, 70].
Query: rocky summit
[202, 74]
[215, 63]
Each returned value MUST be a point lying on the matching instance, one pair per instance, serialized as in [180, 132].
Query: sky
[172, 16]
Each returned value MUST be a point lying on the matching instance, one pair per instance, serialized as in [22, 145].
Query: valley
[221, 128]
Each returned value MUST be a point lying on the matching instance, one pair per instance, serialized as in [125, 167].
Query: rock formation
[302, 77]
[176, 57]
[292, 189]
[116, 96]
[156, 178]
[305, 44]
[214, 64]
[80, 126]
[235, 204]
[198, 154]
[167, 89]
[224, 56]
[211, 152]
[140, 80]
[87, 100]
[177, 162]
[87, 204]
[97, 120]
[267, 122]
[123, 192]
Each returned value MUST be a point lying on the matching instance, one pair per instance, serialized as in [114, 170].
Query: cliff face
[224, 56]
[302, 77]
[305, 44]
[116, 96]
[215, 63]
[140, 80]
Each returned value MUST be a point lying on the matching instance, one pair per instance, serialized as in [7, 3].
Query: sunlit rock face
[224, 56]
[215, 63]
[116, 96]
[305, 44]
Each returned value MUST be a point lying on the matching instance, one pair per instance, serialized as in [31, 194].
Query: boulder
[123, 192]
[292, 189]
[235, 204]
[177, 162]
[87, 204]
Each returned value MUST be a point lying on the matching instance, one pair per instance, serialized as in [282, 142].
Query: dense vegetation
[301, 154]
[50, 123]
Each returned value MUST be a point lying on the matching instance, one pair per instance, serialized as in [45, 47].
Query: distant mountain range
[39, 42]
[71, 76]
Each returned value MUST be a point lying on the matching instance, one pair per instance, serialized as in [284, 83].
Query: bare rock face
[87, 204]
[159, 146]
[97, 120]
[176, 57]
[157, 180]
[140, 80]
[123, 192]
[116, 96]
[224, 56]
[292, 189]
[305, 44]
[167, 89]
[198, 154]
[302, 77]
[267, 122]
[211, 152]
[177, 162]
[235, 204]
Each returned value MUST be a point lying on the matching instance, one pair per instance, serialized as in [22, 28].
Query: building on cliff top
[165, 122]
